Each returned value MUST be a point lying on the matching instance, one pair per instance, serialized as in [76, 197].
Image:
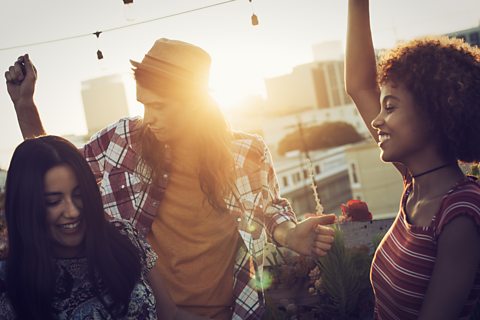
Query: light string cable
[119, 27]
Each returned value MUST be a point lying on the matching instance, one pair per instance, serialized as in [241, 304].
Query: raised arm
[360, 64]
[361, 68]
[21, 78]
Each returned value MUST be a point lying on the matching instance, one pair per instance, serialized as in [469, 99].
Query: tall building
[294, 91]
[104, 101]
[315, 85]
[330, 84]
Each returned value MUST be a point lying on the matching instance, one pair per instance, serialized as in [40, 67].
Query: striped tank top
[404, 261]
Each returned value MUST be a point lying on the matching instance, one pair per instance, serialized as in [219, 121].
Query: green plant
[289, 269]
[272, 312]
[345, 280]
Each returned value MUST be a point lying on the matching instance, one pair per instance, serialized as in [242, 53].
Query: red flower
[356, 210]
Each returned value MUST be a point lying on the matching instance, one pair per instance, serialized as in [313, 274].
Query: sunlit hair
[207, 125]
[112, 259]
[443, 75]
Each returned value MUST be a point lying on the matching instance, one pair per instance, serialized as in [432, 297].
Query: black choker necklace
[431, 170]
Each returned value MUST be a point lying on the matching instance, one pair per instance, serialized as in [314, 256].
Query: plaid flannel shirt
[254, 201]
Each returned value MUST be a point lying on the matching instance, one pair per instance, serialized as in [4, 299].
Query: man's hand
[21, 78]
[311, 236]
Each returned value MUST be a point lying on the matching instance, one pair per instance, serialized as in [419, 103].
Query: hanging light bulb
[99, 55]
[254, 20]
[99, 52]
[254, 16]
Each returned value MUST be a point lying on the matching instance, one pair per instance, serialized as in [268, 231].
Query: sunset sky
[243, 55]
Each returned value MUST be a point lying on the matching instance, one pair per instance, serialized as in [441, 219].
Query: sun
[231, 93]
[226, 98]
[232, 88]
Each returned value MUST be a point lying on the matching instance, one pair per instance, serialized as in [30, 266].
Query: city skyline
[243, 55]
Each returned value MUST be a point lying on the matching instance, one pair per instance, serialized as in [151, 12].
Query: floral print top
[75, 297]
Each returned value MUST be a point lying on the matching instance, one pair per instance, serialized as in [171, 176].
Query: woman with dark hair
[65, 261]
[422, 104]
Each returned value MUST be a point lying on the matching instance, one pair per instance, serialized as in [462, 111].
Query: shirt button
[261, 206]
[155, 203]
[122, 186]
[165, 175]
[239, 219]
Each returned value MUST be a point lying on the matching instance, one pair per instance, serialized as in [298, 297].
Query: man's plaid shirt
[254, 201]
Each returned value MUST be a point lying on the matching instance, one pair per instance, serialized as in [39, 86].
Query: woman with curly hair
[423, 105]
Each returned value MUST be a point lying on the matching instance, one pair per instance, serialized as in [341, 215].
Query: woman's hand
[21, 78]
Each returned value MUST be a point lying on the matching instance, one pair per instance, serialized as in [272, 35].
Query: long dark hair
[30, 279]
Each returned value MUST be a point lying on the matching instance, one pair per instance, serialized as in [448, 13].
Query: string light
[254, 16]
[129, 3]
[254, 19]
[118, 28]
[99, 52]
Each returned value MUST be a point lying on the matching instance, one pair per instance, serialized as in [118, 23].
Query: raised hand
[21, 78]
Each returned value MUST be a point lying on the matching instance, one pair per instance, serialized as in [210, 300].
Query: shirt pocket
[121, 193]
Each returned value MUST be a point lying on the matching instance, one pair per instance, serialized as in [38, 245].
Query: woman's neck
[436, 183]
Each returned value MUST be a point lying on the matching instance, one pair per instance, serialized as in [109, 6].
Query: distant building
[377, 183]
[104, 101]
[471, 35]
[353, 171]
[315, 85]
[312, 94]
[331, 177]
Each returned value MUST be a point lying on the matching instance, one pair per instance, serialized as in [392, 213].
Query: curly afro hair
[443, 75]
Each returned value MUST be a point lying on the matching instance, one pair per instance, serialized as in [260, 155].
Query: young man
[206, 198]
